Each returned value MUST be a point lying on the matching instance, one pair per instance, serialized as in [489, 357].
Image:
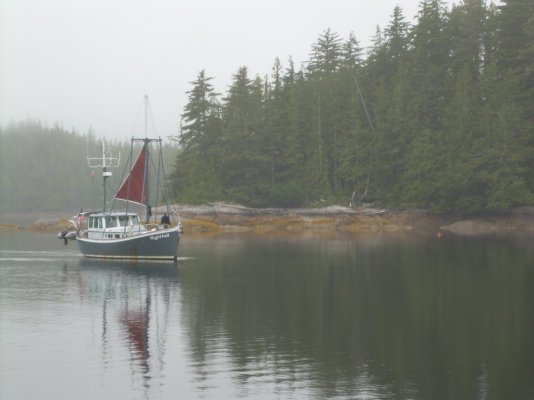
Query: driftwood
[239, 210]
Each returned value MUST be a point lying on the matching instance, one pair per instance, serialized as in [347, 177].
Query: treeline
[45, 168]
[436, 115]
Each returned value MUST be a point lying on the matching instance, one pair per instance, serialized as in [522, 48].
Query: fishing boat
[121, 234]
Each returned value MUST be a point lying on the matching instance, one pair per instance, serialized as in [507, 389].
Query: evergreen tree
[325, 61]
[351, 53]
[350, 121]
[200, 115]
[467, 31]
[196, 174]
[326, 52]
[307, 140]
[428, 61]
[393, 122]
[298, 180]
[244, 163]
[276, 125]
[396, 38]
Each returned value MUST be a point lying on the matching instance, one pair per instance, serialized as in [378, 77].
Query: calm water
[266, 318]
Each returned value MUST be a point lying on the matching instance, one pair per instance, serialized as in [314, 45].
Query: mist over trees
[438, 115]
[45, 168]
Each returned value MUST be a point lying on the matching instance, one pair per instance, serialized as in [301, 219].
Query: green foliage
[437, 116]
[289, 194]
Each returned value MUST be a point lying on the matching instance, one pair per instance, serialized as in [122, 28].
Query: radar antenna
[106, 161]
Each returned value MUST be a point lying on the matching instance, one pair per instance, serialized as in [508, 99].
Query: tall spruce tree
[243, 156]
[396, 39]
[467, 30]
[428, 61]
[276, 126]
[349, 114]
[326, 58]
[196, 174]
[299, 180]
[326, 53]
[200, 115]
[393, 132]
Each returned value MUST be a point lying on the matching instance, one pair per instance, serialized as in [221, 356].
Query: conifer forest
[437, 114]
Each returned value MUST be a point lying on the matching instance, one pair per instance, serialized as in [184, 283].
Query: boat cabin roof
[114, 214]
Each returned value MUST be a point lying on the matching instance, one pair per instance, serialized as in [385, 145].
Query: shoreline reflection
[348, 317]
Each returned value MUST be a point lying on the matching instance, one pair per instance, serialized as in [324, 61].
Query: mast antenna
[146, 116]
[106, 161]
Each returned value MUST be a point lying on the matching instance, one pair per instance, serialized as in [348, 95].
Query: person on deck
[148, 213]
[165, 221]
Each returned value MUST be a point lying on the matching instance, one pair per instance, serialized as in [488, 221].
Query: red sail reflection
[136, 324]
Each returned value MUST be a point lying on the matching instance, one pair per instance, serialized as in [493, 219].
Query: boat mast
[105, 175]
[141, 175]
[146, 141]
[106, 161]
[146, 116]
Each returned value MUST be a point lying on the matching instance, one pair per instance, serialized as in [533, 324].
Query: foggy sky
[87, 64]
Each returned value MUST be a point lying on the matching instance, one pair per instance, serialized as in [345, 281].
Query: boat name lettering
[160, 236]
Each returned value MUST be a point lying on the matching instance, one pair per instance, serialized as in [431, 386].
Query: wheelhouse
[114, 225]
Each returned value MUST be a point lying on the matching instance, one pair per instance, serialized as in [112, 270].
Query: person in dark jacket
[148, 213]
[165, 221]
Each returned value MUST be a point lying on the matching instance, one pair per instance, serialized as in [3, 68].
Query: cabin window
[95, 222]
[134, 220]
[123, 220]
[111, 222]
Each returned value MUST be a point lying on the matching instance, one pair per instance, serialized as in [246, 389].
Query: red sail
[133, 188]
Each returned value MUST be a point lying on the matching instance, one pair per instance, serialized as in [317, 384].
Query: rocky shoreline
[219, 218]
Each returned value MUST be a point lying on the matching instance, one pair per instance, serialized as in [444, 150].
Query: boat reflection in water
[136, 302]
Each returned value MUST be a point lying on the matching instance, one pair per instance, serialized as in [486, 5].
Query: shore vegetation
[436, 115]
